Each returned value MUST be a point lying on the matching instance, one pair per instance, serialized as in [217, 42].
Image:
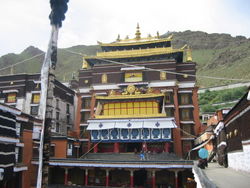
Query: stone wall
[240, 160]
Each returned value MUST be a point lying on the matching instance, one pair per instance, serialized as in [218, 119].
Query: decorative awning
[100, 125]
[129, 125]
[160, 123]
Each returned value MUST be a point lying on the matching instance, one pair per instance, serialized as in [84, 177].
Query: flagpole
[45, 107]
[59, 8]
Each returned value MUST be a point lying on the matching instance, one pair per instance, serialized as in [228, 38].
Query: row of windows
[131, 108]
[133, 77]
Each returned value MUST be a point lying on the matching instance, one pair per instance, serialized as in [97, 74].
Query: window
[36, 98]
[19, 154]
[131, 108]
[85, 116]
[84, 132]
[169, 112]
[68, 119]
[133, 76]
[186, 114]
[168, 98]
[57, 127]
[187, 130]
[185, 98]
[70, 149]
[57, 115]
[186, 146]
[85, 103]
[67, 110]
[52, 151]
[34, 110]
[57, 103]
[11, 98]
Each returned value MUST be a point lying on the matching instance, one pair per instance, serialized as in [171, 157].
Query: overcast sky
[25, 22]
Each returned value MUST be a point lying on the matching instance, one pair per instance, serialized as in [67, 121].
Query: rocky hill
[219, 55]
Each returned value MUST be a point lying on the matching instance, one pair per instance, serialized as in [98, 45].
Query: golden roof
[135, 53]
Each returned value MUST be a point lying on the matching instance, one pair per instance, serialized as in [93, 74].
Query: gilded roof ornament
[85, 64]
[138, 33]
[149, 90]
[189, 54]
[112, 92]
[118, 38]
[158, 35]
[104, 78]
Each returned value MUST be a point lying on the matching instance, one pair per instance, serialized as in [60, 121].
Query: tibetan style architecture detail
[128, 121]
[137, 95]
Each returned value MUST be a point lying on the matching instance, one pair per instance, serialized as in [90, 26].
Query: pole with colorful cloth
[58, 9]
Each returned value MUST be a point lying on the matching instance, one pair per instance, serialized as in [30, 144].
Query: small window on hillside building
[36, 98]
[11, 98]
[133, 76]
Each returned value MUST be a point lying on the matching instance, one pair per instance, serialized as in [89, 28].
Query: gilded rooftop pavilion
[136, 96]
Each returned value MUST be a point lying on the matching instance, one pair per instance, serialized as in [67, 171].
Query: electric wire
[23, 61]
[158, 70]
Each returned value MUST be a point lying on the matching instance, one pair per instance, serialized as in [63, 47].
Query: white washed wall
[240, 160]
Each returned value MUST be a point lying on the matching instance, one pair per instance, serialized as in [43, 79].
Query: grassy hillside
[218, 55]
[210, 101]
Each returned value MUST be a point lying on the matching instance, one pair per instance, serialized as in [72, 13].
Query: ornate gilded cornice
[130, 116]
[134, 53]
[139, 96]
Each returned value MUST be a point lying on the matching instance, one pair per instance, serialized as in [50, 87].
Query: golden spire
[158, 35]
[85, 64]
[118, 38]
[189, 54]
[138, 33]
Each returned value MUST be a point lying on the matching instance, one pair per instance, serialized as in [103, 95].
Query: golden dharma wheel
[131, 89]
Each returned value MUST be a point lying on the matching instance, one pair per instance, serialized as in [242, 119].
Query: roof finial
[158, 35]
[118, 38]
[85, 64]
[189, 54]
[138, 33]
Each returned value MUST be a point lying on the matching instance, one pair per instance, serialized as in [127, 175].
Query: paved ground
[227, 177]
